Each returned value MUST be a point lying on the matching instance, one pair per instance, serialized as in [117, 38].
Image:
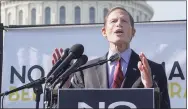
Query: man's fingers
[58, 54]
[61, 50]
[146, 70]
[143, 70]
[144, 60]
[140, 66]
[53, 62]
[141, 57]
[55, 57]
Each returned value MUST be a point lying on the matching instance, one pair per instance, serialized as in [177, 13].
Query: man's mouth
[119, 31]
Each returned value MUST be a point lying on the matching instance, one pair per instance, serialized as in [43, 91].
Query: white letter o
[119, 103]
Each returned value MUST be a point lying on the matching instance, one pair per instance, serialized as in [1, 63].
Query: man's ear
[103, 30]
[133, 32]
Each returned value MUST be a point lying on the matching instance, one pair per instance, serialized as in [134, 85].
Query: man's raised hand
[57, 54]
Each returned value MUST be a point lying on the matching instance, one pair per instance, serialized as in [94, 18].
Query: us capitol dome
[20, 12]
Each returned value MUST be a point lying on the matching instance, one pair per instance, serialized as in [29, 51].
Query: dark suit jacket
[97, 77]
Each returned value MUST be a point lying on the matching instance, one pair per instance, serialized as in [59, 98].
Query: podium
[106, 98]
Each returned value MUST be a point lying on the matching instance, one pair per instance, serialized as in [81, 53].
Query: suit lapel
[102, 74]
[133, 72]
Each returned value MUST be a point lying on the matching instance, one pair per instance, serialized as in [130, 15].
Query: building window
[33, 16]
[62, 15]
[145, 17]
[91, 15]
[137, 18]
[47, 15]
[20, 19]
[132, 11]
[77, 15]
[105, 11]
[140, 14]
[9, 19]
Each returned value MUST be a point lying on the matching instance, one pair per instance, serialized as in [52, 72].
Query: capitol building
[20, 12]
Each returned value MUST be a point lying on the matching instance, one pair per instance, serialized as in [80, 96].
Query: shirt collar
[125, 55]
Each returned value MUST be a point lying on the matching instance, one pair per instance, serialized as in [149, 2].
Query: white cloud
[161, 48]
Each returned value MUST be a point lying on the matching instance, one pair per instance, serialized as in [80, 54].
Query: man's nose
[119, 23]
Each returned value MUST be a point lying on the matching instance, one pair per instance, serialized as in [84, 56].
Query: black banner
[106, 99]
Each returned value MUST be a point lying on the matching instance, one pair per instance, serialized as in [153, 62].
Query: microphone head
[77, 50]
[83, 59]
[115, 57]
[65, 53]
[66, 50]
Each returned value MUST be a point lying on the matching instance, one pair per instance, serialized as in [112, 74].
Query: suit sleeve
[77, 80]
[163, 85]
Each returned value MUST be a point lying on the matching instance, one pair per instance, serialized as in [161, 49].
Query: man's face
[118, 29]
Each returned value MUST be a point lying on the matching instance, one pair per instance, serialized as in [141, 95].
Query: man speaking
[119, 31]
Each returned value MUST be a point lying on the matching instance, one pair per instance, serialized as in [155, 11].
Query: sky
[168, 10]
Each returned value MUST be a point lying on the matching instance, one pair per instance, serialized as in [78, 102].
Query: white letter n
[82, 105]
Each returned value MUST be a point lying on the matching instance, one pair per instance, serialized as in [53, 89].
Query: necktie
[118, 76]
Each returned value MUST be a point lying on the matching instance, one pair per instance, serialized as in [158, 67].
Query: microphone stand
[38, 91]
[37, 88]
[29, 85]
[63, 82]
[47, 96]
[48, 92]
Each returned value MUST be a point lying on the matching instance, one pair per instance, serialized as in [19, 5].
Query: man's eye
[113, 21]
[124, 21]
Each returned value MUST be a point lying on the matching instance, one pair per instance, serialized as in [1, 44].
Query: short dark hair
[113, 9]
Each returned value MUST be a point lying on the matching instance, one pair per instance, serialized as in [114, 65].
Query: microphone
[115, 57]
[111, 59]
[59, 62]
[75, 52]
[81, 61]
[60, 72]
